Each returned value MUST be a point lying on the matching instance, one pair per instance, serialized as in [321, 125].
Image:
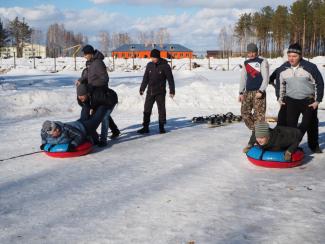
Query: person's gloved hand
[287, 155]
[42, 146]
[71, 148]
[141, 92]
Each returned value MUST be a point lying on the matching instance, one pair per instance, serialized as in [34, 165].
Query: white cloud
[200, 3]
[197, 31]
[37, 16]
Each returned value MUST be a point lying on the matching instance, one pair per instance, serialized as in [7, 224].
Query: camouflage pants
[253, 109]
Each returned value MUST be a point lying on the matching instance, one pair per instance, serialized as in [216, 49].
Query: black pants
[111, 124]
[289, 116]
[92, 122]
[150, 100]
[85, 115]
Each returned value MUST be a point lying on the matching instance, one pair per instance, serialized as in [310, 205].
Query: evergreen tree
[3, 34]
[19, 33]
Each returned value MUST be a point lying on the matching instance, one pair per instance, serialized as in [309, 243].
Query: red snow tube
[296, 160]
[81, 150]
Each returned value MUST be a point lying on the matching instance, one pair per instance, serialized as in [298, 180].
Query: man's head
[51, 128]
[82, 92]
[252, 51]
[155, 55]
[294, 54]
[262, 133]
[88, 51]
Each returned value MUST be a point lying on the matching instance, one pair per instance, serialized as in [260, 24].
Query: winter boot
[114, 129]
[146, 122]
[144, 130]
[115, 134]
[162, 128]
[102, 144]
[317, 149]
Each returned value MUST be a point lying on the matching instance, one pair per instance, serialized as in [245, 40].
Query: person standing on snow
[312, 131]
[96, 77]
[157, 71]
[301, 90]
[252, 95]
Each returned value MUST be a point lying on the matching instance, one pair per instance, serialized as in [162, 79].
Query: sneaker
[144, 130]
[115, 134]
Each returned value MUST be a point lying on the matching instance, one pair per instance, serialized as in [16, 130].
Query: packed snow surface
[190, 184]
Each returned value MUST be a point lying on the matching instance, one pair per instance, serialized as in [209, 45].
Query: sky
[194, 24]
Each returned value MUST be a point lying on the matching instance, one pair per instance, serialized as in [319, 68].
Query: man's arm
[265, 75]
[145, 80]
[273, 77]
[75, 135]
[243, 79]
[318, 79]
[170, 78]
[282, 90]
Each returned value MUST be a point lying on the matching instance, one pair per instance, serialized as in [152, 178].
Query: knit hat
[295, 48]
[49, 126]
[155, 53]
[82, 90]
[88, 49]
[251, 47]
[262, 130]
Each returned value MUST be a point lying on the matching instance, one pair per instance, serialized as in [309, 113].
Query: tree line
[59, 40]
[273, 29]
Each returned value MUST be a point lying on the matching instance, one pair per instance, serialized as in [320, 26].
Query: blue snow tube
[56, 148]
[61, 150]
[259, 154]
[274, 159]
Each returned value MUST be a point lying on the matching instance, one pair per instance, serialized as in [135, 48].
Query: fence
[129, 65]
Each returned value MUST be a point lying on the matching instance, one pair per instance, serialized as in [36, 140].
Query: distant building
[175, 51]
[221, 54]
[29, 50]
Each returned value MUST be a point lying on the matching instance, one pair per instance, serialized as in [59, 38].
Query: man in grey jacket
[301, 91]
[252, 96]
[96, 75]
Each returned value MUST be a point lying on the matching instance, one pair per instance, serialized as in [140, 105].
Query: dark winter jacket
[84, 75]
[71, 132]
[155, 78]
[283, 138]
[98, 96]
[272, 80]
[95, 73]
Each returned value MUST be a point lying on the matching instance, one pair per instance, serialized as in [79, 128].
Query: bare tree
[162, 36]
[105, 42]
[58, 38]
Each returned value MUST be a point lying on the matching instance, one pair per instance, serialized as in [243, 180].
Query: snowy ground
[191, 184]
